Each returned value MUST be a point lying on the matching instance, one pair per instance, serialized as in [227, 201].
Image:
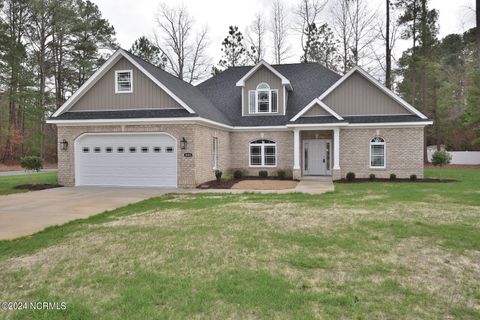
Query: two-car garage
[126, 159]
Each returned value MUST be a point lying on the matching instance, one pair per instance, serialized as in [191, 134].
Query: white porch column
[296, 149]
[336, 149]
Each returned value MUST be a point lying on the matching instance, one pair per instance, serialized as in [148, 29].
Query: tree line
[49, 48]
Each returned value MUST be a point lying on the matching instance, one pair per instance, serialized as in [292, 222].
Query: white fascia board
[387, 91]
[285, 81]
[321, 104]
[102, 70]
[322, 126]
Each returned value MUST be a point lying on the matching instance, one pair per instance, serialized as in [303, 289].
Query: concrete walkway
[22, 172]
[23, 214]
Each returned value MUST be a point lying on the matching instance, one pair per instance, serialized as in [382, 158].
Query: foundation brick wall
[240, 151]
[404, 152]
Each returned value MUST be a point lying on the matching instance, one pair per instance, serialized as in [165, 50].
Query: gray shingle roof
[219, 99]
[309, 81]
[185, 91]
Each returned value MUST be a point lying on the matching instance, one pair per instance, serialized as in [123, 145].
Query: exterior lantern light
[183, 144]
[64, 144]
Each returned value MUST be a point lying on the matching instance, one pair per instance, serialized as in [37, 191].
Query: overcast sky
[132, 19]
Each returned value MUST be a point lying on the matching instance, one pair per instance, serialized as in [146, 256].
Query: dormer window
[263, 99]
[123, 81]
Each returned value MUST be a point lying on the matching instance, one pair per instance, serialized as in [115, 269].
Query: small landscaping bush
[350, 176]
[282, 174]
[393, 176]
[263, 173]
[371, 177]
[441, 158]
[218, 175]
[237, 174]
[413, 177]
[31, 163]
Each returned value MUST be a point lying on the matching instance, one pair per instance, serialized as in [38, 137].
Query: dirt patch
[229, 184]
[265, 184]
[37, 187]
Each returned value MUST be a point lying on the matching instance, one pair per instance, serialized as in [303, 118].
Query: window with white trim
[123, 81]
[263, 153]
[377, 153]
[263, 99]
[215, 153]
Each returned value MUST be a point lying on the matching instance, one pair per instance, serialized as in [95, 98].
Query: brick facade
[404, 150]
[240, 151]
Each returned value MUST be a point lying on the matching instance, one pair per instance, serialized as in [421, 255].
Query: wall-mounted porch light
[63, 144]
[183, 143]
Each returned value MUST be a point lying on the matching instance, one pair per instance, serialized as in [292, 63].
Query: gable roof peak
[285, 81]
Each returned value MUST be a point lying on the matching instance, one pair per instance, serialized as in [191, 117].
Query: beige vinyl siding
[316, 110]
[146, 94]
[358, 96]
[263, 75]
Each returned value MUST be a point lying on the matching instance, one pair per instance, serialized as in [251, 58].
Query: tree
[90, 32]
[477, 19]
[323, 46]
[363, 33]
[234, 52]
[343, 30]
[148, 51]
[255, 39]
[279, 32]
[185, 50]
[307, 12]
[388, 48]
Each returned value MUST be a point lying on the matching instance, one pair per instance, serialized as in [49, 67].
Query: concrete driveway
[22, 214]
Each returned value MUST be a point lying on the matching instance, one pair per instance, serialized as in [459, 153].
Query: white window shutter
[251, 101]
[274, 102]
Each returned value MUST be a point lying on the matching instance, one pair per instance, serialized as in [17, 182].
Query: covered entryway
[317, 157]
[126, 159]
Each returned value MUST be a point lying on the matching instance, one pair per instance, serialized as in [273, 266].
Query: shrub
[282, 174]
[393, 176]
[413, 177]
[263, 173]
[237, 174]
[350, 176]
[371, 177]
[218, 175]
[440, 158]
[31, 163]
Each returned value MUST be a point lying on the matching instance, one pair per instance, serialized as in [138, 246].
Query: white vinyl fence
[459, 157]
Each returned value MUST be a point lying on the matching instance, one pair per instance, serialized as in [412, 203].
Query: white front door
[316, 157]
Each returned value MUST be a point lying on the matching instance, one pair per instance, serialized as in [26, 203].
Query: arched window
[263, 153]
[377, 153]
[263, 99]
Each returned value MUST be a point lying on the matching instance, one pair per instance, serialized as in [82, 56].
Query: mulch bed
[37, 186]
[214, 184]
[364, 180]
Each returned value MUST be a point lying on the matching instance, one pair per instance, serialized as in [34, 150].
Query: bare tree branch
[307, 13]
[254, 35]
[280, 32]
[185, 52]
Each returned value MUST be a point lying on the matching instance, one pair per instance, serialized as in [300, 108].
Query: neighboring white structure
[458, 157]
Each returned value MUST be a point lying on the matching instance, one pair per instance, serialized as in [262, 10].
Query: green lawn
[365, 251]
[8, 183]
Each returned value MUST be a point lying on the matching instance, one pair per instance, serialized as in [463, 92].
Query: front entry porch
[316, 152]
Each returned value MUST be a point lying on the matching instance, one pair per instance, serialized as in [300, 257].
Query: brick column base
[297, 174]
[336, 174]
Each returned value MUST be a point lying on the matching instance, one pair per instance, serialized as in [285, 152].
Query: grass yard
[365, 251]
[7, 183]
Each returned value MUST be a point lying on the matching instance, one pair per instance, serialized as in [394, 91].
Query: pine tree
[234, 52]
[148, 51]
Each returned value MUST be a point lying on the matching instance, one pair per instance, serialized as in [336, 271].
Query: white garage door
[126, 160]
